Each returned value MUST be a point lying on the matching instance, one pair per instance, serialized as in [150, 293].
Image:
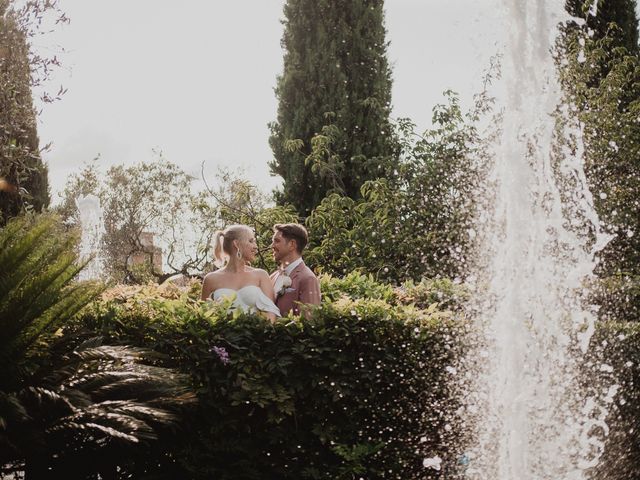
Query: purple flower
[223, 355]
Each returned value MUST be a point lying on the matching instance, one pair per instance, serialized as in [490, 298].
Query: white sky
[196, 80]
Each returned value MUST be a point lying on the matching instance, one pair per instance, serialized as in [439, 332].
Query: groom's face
[280, 247]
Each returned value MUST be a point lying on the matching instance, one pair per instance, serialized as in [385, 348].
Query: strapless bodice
[248, 299]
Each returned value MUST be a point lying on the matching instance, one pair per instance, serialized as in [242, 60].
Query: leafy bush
[359, 389]
[350, 391]
[615, 359]
[440, 291]
[619, 297]
[600, 74]
[69, 410]
[354, 286]
[419, 221]
[37, 292]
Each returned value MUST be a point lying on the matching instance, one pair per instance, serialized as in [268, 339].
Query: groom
[295, 284]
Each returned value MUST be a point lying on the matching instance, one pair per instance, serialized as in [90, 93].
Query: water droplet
[433, 463]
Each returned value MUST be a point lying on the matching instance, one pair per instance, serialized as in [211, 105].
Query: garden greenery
[351, 390]
[69, 407]
[359, 388]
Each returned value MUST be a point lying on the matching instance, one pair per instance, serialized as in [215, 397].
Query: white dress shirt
[292, 266]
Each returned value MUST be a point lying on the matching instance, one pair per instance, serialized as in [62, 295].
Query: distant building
[150, 254]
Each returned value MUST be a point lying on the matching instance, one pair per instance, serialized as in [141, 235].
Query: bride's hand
[270, 316]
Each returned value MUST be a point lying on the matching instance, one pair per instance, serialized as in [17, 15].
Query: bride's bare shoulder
[213, 274]
[258, 272]
[212, 277]
[210, 283]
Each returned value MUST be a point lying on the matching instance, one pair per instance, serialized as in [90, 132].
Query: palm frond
[37, 288]
[44, 404]
[100, 398]
[93, 350]
[29, 300]
[22, 244]
[115, 372]
[75, 298]
[11, 410]
[87, 433]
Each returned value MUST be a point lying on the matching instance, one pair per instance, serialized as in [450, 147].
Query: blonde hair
[223, 242]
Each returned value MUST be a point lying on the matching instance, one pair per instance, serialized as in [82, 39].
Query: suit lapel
[296, 272]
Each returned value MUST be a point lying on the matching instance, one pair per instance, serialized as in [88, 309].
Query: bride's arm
[266, 286]
[207, 287]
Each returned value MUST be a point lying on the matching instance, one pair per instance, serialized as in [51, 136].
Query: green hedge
[617, 345]
[357, 390]
[428, 293]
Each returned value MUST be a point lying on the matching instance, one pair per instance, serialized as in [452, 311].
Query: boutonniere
[282, 283]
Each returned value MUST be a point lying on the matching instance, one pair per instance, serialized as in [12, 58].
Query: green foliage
[616, 19]
[355, 286]
[600, 74]
[148, 200]
[23, 176]
[416, 223]
[332, 132]
[618, 297]
[64, 411]
[354, 459]
[37, 292]
[348, 392]
[614, 358]
[444, 293]
[94, 413]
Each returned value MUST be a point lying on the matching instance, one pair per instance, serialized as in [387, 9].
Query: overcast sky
[195, 79]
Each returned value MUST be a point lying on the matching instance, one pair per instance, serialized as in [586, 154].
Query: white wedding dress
[249, 299]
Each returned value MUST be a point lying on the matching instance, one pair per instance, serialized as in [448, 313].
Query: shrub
[354, 286]
[348, 392]
[417, 221]
[444, 293]
[359, 389]
[619, 297]
[441, 292]
[69, 410]
[615, 358]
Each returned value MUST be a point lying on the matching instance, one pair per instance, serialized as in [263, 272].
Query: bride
[234, 249]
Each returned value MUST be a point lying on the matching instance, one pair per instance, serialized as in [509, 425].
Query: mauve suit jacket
[305, 288]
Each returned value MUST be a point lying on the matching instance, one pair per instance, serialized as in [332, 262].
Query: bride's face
[249, 248]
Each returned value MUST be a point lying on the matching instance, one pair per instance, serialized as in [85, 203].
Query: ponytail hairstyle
[223, 242]
[219, 258]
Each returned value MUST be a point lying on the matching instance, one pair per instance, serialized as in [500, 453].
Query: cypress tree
[25, 182]
[336, 87]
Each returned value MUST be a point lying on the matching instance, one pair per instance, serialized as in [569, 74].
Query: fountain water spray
[92, 224]
[531, 420]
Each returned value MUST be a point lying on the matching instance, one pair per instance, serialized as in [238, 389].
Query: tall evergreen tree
[23, 174]
[332, 131]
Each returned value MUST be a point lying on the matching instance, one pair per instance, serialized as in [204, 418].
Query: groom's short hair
[293, 231]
